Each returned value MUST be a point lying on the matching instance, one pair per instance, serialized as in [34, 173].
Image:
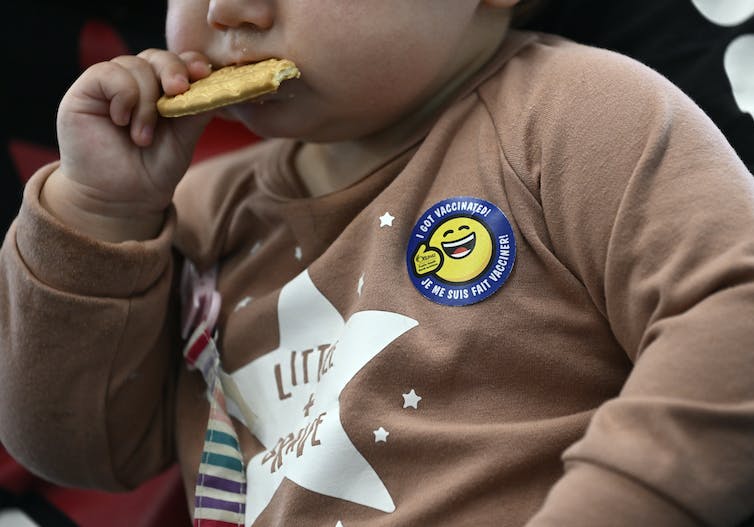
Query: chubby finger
[199, 66]
[172, 71]
[107, 88]
[143, 114]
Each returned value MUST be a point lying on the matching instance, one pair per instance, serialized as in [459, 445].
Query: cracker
[229, 85]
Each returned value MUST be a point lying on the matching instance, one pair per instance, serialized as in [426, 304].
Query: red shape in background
[222, 136]
[98, 42]
[28, 157]
[160, 502]
[13, 477]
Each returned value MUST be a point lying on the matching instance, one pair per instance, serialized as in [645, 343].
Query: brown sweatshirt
[539, 313]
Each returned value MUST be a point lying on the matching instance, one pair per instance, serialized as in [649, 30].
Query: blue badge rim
[491, 279]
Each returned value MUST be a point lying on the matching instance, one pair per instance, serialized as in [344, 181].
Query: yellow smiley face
[466, 246]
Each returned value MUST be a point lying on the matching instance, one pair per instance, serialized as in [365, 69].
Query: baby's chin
[262, 119]
[270, 121]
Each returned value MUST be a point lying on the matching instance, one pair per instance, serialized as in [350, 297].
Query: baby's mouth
[460, 248]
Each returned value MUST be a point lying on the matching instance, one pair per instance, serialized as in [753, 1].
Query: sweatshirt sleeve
[88, 367]
[649, 207]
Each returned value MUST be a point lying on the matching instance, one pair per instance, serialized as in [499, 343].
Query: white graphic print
[360, 285]
[725, 12]
[294, 391]
[15, 518]
[245, 301]
[739, 62]
[386, 220]
[411, 400]
[380, 435]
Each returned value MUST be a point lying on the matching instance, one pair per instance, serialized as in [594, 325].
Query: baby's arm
[87, 340]
[650, 208]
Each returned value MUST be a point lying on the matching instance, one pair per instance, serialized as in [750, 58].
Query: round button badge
[461, 251]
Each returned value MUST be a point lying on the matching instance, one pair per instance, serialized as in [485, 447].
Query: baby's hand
[121, 162]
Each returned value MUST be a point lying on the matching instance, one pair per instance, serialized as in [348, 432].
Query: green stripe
[215, 436]
[219, 460]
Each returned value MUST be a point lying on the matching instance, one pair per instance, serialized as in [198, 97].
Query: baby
[474, 276]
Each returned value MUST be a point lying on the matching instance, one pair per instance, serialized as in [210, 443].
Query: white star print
[255, 249]
[298, 254]
[738, 54]
[411, 399]
[360, 287]
[386, 220]
[243, 303]
[730, 13]
[380, 435]
[308, 321]
[339, 524]
[18, 518]
[737, 63]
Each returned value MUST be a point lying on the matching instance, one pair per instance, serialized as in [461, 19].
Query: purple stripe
[212, 503]
[218, 483]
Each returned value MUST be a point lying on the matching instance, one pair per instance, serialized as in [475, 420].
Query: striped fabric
[221, 484]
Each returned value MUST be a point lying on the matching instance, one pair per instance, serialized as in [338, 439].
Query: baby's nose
[226, 14]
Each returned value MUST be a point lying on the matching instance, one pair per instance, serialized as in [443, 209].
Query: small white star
[298, 254]
[386, 220]
[380, 435]
[411, 399]
[339, 524]
[361, 284]
[254, 250]
[243, 303]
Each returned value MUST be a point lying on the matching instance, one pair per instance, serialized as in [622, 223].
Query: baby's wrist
[108, 222]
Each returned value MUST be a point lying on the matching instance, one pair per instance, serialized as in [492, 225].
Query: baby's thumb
[170, 155]
[189, 129]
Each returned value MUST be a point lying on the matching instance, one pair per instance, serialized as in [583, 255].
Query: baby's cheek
[184, 26]
[177, 39]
